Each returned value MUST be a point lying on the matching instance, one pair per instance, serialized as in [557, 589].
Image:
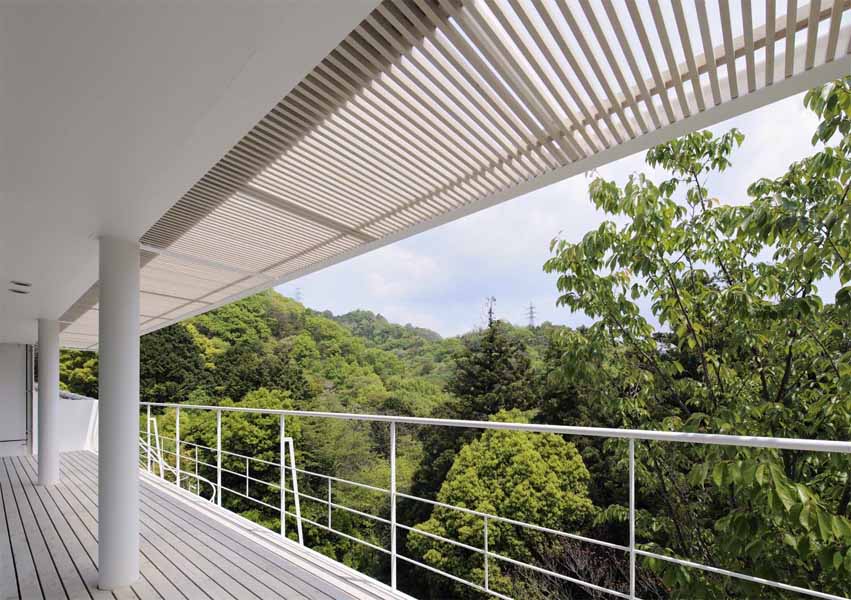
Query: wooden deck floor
[190, 549]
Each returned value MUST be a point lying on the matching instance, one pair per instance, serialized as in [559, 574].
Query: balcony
[162, 161]
[213, 472]
[190, 548]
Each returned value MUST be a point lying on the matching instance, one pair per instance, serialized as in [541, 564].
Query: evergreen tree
[493, 372]
[171, 365]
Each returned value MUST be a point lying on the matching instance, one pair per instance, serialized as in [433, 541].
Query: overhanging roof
[430, 110]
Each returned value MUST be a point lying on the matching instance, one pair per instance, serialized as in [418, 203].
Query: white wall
[13, 399]
[78, 424]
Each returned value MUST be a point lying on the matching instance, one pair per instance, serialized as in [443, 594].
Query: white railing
[488, 554]
[155, 454]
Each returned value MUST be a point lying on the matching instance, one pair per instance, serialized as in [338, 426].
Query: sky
[440, 279]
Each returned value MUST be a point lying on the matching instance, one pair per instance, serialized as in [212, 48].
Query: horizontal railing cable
[488, 554]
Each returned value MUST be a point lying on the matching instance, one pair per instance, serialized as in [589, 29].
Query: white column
[48, 402]
[118, 423]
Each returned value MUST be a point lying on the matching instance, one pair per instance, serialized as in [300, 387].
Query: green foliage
[493, 373]
[535, 478]
[422, 351]
[270, 352]
[170, 365]
[78, 372]
[747, 346]
[243, 322]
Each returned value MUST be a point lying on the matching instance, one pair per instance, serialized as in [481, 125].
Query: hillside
[424, 351]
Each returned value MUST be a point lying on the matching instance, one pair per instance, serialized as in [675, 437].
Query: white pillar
[48, 402]
[118, 422]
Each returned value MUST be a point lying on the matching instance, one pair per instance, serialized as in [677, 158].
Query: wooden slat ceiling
[431, 109]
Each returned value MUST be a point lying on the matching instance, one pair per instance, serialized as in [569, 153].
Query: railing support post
[393, 504]
[148, 421]
[283, 477]
[487, 556]
[177, 444]
[329, 503]
[632, 519]
[219, 456]
[296, 500]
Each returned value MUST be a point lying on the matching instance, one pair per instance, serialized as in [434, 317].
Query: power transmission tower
[298, 295]
[530, 314]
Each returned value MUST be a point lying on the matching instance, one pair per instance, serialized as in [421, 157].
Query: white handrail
[715, 439]
[157, 455]
[631, 435]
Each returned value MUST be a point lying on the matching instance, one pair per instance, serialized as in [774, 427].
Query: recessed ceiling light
[14, 291]
[21, 283]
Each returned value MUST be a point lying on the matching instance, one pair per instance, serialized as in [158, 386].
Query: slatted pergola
[433, 109]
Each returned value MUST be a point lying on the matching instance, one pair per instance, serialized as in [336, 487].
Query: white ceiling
[110, 112]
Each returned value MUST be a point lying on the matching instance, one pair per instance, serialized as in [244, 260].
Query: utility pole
[530, 314]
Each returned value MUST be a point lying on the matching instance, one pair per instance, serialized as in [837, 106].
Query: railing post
[247, 490]
[632, 519]
[219, 456]
[393, 504]
[177, 444]
[283, 477]
[296, 500]
[197, 481]
[329, 503]
[487, 556]
[148, 422]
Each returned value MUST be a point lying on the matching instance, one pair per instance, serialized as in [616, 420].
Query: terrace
[228, 151]
[189, 548]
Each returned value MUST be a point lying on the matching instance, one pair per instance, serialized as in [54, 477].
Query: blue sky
[440, 278]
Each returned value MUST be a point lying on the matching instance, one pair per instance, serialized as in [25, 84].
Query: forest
[707, 317]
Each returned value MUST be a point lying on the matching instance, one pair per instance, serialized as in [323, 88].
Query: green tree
[535, 478]
[493, 372]
[746, 346]
[78, 372]
[171, 365]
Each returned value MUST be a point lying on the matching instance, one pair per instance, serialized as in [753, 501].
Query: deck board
[254, 560]
[189, 548]
[86, 513]
[8, 577]
[29, 585]
[218, 582]
[196, 528]
[67, 571]
[79, 554]
[48, 575]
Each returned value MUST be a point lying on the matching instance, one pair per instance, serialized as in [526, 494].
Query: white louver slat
[432, 109]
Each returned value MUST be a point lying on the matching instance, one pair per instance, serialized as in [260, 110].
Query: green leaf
[825, 525]
[841, 527]
[786, 494]
[804, 517]
[718, 474]
[762, 474]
